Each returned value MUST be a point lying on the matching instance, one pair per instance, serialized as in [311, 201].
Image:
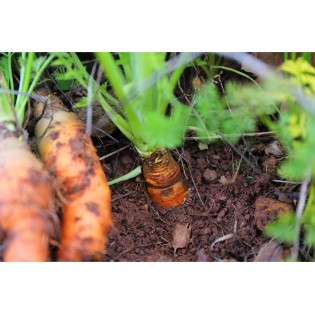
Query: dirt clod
[267, 209]
[209, 175]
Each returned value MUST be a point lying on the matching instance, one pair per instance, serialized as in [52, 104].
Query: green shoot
[131, 174]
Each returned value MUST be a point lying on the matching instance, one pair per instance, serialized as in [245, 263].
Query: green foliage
[283, 228]
[167, 132]
[31, 68]
[308, 219]
[145, 108]
[5, 100]
[237, 112]
[64, 79]
[4, 68]
[296, 128]
[233, 114]
[301, 73]
[241, 106]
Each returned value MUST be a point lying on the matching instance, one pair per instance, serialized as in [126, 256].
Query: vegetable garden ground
[234, 188]
[213, 208]
[218, 215]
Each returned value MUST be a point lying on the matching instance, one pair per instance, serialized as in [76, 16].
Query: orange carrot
[164, 181]
[69, 155]
[26, 202]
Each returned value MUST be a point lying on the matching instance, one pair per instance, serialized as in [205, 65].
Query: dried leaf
[181, 235]
[202, 146]
[226, 181]
[270, 252]
[274, 148]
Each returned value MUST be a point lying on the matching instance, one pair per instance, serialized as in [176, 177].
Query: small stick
[114, 152]
[89, 111]
[33, 96]
[252, 134]
[286, 182]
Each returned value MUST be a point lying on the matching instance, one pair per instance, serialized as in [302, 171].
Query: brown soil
[216, 206]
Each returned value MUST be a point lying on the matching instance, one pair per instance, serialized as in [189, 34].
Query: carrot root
[164, 181]
[69, 155]
[27, 216]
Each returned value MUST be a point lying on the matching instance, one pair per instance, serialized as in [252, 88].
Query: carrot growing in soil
[27, 216]
[164, 180]
[141, 112]
[151, 130]
[69, 155]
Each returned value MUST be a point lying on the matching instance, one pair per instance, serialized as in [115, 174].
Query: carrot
[143, 111]
[69, 155]
[26, 201]
[163, 178]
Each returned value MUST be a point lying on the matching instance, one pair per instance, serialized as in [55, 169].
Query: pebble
[210, 175]
[126, 160]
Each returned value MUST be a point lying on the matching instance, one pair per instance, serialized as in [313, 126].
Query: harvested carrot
[69, 155]
[27, 214]
[163, 178]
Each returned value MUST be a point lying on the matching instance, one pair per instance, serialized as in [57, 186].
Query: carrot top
[143, 84]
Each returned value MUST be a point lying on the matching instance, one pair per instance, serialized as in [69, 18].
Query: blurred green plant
[295, 128]
[274, 104]
[13, 102]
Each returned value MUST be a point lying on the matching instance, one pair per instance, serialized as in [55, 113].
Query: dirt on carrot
[27, 214]
[69, 155]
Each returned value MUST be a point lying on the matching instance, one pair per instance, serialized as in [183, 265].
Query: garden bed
[219, 208]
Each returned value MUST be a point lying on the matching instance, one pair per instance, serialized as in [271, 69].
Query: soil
[219, 207]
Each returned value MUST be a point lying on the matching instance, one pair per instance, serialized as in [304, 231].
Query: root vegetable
[26, 202]
[164, 181]
[69, 155]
